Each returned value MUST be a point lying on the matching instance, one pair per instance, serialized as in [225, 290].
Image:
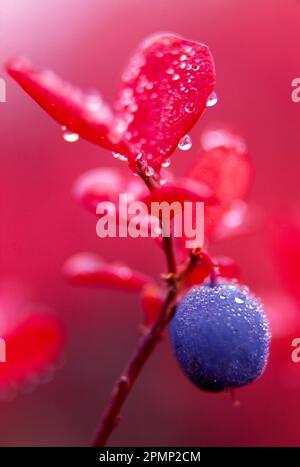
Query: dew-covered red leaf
[151, 300]
[33, 346]
[164, 91]
[85, 114]
[229, 173]
[88, 269]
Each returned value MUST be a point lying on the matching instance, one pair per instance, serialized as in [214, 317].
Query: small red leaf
[84, 114]
[165, 90]
[183, 191]
[200, 272]
[88, 269]
[152, 300]
[226, 267]
[32, 346]
[105, 184]
[96, 185]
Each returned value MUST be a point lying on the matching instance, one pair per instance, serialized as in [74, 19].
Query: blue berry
[221, 336]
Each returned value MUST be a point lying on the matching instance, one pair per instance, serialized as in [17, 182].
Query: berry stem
[147, 343]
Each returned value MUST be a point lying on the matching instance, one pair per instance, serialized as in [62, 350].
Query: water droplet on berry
[212, 100]
[175, 77]
[238, 300]
[185, 143]
[170, 71]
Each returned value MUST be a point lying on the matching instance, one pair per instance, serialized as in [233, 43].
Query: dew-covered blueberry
[221, 336]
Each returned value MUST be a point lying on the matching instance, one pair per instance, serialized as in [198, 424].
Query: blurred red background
[254, 45]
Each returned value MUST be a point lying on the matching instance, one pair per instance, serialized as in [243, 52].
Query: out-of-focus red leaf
[284, 238]
[88, 269]
[220, 137]
[84, 114]
[105, 184]
[164, 91]
[96, 185]
[229, 174]
[151, 300]
[32, 346]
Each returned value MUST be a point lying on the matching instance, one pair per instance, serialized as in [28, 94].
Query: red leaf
[228, 173]
[183, 190]
[227, 268]
[32, 347]
[88, 269]
[105, 184]
[165, 90]
[200, 272]
[152, 300]
[98, 185]
[84, 114]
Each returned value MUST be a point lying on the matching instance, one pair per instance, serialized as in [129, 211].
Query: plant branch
[147, 343]
[128, 377]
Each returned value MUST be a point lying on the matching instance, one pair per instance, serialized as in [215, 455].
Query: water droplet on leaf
[149, 171]
[166, 163]
[70, 137]
[212, 100]
[185, 143]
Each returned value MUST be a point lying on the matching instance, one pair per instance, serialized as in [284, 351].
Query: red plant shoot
[166, 87]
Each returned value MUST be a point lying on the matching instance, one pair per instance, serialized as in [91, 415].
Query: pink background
[255, 47]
